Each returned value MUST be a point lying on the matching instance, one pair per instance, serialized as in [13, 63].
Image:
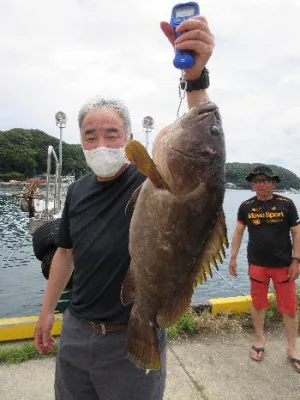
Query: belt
[106, 328]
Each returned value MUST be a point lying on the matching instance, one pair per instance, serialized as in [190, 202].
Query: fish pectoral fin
[132, 201]
[138, 155]
[175, 306]
[214, 250]
[128, 287]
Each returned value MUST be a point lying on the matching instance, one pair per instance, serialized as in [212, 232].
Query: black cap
[262, 170]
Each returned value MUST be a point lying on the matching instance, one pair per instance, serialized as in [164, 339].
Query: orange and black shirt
[269, 224]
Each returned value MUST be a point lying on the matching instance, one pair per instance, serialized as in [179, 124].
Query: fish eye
[214, 130]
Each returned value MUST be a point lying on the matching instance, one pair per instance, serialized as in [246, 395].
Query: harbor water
[22, 284]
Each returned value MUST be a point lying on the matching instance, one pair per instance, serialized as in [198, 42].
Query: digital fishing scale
[183, 58]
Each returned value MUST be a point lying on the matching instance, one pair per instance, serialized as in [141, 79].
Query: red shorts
[286, 291]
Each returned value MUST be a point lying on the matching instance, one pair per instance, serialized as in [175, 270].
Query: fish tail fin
[142, 345]
[176, 307]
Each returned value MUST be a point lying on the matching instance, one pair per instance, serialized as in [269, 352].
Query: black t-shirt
[95, 226]
[269, 225]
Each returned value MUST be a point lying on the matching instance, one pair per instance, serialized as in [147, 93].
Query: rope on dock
[229, 283]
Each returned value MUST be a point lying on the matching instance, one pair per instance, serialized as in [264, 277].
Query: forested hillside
[23, 154]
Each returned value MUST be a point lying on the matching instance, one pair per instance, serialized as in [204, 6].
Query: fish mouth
[208, 152]
[205, 114]
[184, 154]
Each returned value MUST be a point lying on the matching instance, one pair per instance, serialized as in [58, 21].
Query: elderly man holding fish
[92, 361]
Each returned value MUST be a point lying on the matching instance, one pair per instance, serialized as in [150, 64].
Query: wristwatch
[202, 82]
[296, 258]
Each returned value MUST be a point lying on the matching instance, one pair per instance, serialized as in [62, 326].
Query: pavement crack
[200, 388]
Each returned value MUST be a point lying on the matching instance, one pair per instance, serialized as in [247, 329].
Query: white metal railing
[57, 199]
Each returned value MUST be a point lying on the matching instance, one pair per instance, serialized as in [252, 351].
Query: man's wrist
[199, 83]
[195, 98]
[296, 258]
[47, 311]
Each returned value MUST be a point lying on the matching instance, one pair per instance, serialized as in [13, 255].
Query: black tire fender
[45, 238]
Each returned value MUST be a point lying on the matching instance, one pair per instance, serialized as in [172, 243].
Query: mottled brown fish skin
[171, 229]
[187, 153]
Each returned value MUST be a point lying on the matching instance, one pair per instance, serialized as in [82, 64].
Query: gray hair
[113, 104]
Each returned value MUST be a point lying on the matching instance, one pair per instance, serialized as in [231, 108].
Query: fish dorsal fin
[214, 250]
[132, 201]
[138, 155]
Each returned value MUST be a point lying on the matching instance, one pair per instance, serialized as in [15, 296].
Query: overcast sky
[57, 55]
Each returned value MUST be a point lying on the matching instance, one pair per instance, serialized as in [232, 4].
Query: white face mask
[105, 161]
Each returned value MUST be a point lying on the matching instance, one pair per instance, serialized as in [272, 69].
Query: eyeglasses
[261, 180]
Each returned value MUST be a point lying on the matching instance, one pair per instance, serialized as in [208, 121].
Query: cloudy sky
[57, 55]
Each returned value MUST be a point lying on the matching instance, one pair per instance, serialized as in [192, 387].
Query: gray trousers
[92, 366]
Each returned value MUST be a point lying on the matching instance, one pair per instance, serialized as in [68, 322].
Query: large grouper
[177, 228]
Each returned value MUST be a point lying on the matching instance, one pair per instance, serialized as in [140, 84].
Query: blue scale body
[181, 12]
